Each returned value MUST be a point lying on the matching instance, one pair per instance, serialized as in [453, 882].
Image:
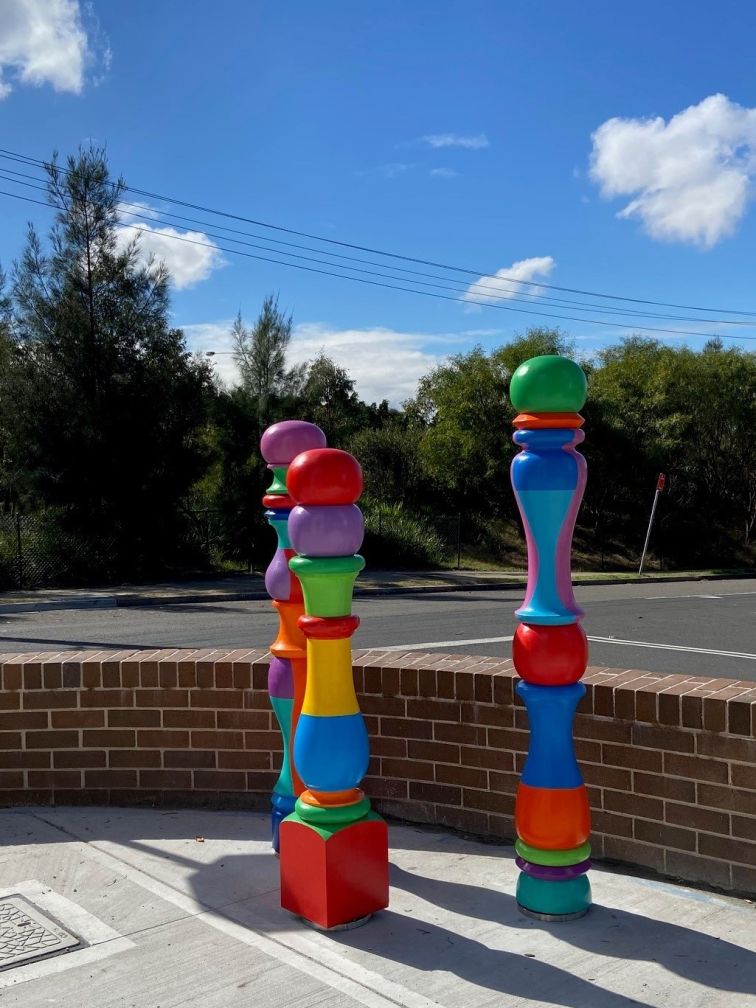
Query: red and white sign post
[660, 483]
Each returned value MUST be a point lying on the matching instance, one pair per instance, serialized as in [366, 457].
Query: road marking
[673, 647]
[597, 640]
[443, 643]
[656, 598]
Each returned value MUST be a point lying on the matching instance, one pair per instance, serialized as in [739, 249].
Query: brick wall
[670, 761]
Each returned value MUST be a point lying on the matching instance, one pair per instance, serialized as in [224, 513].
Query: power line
[410, 290]
[511, 294]
[36, 162]
[465, 291]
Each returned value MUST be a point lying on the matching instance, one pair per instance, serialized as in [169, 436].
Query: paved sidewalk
[249, 587]
[178, 909]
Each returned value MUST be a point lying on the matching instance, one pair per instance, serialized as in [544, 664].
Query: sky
[603, 148]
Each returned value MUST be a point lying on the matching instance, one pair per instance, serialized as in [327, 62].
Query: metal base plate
[27, 934]
[349, 926]
[557, 918]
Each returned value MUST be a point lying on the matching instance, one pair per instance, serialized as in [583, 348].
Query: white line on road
[657, 598]
[443, 643]
[673, 647]
[597, 640]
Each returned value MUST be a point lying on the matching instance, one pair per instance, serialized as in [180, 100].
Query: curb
[145, 601]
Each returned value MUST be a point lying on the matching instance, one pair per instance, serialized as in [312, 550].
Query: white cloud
[510, 281]
[190, 256]
[384, 363]
[691, 177]
[469, 142]
[443, 173]
[43, 42]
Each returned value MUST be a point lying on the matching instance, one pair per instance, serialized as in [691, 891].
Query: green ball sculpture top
[548, 384]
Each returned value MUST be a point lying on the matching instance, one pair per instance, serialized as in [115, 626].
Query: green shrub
[394, 538]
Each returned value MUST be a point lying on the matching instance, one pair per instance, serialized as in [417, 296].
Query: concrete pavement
[180, 908]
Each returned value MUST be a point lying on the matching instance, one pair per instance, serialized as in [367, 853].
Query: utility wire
[408, 290]
[36, 162]
[479, 288]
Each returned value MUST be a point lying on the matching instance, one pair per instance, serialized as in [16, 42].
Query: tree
[328, 398]
[101, 403]
[260, 353]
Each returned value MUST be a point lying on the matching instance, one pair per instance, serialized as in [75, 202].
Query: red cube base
[332, 880]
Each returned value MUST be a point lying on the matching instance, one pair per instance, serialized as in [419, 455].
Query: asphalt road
[694, 628]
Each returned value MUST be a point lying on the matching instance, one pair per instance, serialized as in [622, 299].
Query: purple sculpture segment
[279, 445]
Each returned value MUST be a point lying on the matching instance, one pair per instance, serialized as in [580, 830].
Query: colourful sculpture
[334, 849]
[286, 677]
[550, 650]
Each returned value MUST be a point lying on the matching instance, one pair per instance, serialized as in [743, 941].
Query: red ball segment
[550, 655]
[324, 476]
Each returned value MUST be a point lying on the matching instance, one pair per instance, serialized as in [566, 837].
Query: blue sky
[582, 144]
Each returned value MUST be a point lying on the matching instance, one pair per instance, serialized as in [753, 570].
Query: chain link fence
[35, 552]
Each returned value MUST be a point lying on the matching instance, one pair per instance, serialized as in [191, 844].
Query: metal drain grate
[27, 934]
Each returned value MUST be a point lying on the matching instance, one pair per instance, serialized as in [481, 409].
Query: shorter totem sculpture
[286, 676]
[550, 650]
[334, 849]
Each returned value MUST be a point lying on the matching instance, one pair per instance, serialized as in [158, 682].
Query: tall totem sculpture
[286, 676]
[334, 849]
[550, 650]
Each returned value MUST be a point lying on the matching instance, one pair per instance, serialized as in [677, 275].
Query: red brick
[696, 768]
[744, 827]
[436, 710]
[78, 758]
[109, 738]
[220, 780]
[135, 758]
[491, 759]
[13, 779]
[23, 719]
[216, 740]
[251, 719]
[508, 739]
[168, 780]
[240, 759]
[467, 734]
[635, 759]
[177, 718]
[743, 776]
[463, 819]
[54, 778]
[633, 852]
[381, 746]
[706, 820]
[587, 727]
[611, 824]
[189, 759]
[12, 677]
[406, 728]
[727, 798]
[663, 737]
[469, 777]
[664, 835]
[727, 748]
[267, 740]
[78, 719]
[153, 738]
[22, 759]
[640, 806]
[436, 752]
[133, 718]
[110, 778]
[162, 698]
[406, 768]
[445, 794]
[52, 740]
[216, 699]
[735, 850]
[10, 701]
[664, 787]
[488, 801]
[10, 740]
[386, 706]
[698, 869]
[107, 698]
